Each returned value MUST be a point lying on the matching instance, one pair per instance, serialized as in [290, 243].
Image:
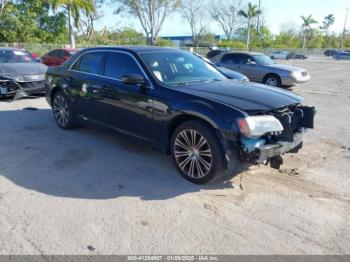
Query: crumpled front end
[10, 87]
[270, 147]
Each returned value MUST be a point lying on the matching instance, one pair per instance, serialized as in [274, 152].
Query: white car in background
[280, 55]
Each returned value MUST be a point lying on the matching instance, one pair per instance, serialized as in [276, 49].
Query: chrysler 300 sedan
[180, 104]
[260, 68]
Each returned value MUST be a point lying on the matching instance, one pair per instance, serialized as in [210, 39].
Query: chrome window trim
[114, 51]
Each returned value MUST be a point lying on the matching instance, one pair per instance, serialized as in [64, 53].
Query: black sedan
[20, 73]
[180, 104]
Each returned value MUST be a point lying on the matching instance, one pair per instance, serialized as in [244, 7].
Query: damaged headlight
[255, 126]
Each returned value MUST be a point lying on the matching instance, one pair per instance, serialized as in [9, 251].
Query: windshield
[263, 60]
[180, 68]
[15, 56]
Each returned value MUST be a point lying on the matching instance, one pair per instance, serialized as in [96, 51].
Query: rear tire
[272, 80]
[197, 152]
[62, 111]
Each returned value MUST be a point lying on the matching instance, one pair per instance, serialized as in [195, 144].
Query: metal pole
[258, 21]
[344, 30]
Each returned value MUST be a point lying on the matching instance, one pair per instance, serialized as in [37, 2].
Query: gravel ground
[89, 191]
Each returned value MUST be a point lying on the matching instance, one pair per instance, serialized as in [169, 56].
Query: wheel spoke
[191, 169]
[180, 144]
[185, 162]
[201, 143]
[206, 153]
[199, 169]
[204, 163]
[181, 154]
[185, 138]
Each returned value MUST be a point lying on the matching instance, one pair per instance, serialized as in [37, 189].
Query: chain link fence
[42, 49]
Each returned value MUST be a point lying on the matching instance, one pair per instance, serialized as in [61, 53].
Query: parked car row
[338, 54]
[287, 55]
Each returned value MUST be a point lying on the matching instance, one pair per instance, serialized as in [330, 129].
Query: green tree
[73, 8]
[252, 12]
[306, 27]
[328, 21]
[29, 21]
[150, 13]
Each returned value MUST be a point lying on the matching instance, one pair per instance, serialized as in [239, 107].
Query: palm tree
[327, 23]
[73, 7]
[252, 12]
[306, 26]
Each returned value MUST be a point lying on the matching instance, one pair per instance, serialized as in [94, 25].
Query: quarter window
[120, 64]
[91, 62]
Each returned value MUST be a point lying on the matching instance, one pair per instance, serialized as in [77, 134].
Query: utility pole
[258, 21]
[344, 30]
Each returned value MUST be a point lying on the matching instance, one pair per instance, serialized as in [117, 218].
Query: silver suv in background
[260, 68]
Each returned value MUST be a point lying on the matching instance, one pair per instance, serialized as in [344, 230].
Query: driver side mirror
[135, 80]
[252, 63]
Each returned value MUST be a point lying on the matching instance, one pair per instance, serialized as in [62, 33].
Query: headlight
[255, 126]
[295, 74]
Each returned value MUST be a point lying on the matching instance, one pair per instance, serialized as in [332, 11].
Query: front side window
[91, 63]
[263, 60]
[119, 65]
[180, 68]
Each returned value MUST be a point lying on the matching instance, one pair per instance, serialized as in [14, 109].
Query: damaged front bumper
[260, 155]
[270, 148]
[10, 87]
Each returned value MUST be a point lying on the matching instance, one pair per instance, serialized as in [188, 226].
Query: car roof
[11, 49]
[243, 53]
[136, 49]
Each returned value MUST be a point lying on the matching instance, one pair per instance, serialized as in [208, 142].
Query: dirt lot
[93, 192]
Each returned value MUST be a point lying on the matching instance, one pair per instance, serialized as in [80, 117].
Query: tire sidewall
[278, 80]
[218, 163]
[71, 119]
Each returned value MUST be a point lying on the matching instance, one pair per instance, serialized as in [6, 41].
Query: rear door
[85, 81]
[229, 62]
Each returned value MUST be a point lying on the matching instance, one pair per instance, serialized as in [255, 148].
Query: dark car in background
[58, 56]
[180, 104]
[330, 52]
[341, 55]
[227, 72]
[20, 73]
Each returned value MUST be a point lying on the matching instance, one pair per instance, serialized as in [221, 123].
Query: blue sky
[277, 13]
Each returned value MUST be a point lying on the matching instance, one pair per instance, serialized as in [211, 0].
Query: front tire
[197, 152]
[272, 80]
[62, 111]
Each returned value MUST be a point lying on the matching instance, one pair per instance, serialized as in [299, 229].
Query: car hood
[232, 74]
[14, 70]
[288, 68]
[246, 96]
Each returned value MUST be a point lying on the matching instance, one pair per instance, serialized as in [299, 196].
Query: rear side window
[54, 53]
[120, 64]
[90, 63]
[227, 58]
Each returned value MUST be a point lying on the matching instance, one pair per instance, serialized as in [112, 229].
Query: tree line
[243, 24]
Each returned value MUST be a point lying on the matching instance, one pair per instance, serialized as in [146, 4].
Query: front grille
[304, 73]
[290, 118]
[32, 85]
